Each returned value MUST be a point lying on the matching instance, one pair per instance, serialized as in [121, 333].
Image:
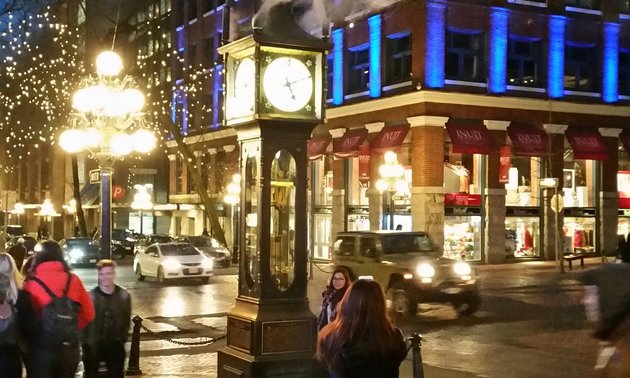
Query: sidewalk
[164, 359]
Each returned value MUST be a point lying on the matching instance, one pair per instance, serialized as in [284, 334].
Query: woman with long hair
[17, 318]
[361, 341]
[336, 288]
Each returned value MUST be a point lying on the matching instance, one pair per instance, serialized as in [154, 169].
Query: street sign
[118, 192]
[95, 176]
[557, 203]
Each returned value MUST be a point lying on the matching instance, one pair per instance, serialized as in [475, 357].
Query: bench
[571, 257]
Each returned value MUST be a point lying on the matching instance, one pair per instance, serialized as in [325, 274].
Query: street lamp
[556, 205]
[232, 198]
[142, 201]
[105, 106]
[18, 209]
[48, 211]
[392, 181]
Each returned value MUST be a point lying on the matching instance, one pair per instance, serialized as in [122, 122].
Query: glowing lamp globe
[121, 144]
[382, 185]
[143, 141]
[134, 100]
[108, 63]
[72, 140]
[92, 138]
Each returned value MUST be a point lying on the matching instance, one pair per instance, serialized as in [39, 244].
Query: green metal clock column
[273, 106]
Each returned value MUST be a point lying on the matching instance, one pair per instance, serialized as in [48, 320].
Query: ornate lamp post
[48, 212]
[556, 203]
[232, 198]
[142, 201]
[105, 107]
[392, 181]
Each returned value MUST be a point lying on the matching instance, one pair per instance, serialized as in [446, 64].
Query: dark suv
[123, 242]
[410, 268]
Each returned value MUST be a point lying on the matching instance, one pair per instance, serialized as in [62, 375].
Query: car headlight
[462, 269]
[76, 254]
[207, 263]
[425, 270]
[171, 264]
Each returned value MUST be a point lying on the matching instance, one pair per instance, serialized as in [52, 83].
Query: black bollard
[416, 344]
[133, 366]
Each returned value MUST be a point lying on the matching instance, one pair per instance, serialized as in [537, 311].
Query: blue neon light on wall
[610, 79]
[497, 66]
[217, 94]
[555, 75]
[375, 55]
[435, 44]
[337, 87]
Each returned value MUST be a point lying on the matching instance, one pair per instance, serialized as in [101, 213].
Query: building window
[524, 63]
[586, 4]
[624, 72]
[358, 69]
[625, 6]
[398, 56]
[464, 56]
[580, 68]
[192, 10]
[329, 76]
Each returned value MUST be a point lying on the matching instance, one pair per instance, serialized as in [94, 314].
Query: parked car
[80, 250]
[210, 247]
[29, 243]
[172, 260]
[410, 268]
[123, 242]
[146, 240]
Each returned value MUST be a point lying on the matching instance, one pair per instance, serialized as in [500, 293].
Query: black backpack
[59, 318]
[8, 324]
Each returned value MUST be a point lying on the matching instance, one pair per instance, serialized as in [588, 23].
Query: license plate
[194, 271]
[128, 248]
[452, 290]
[92, 260]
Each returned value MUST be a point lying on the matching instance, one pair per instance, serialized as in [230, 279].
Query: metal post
[141, 221]
[106, 209]
[133, 366]
[559, 252]
[391, 209]
[416, 345]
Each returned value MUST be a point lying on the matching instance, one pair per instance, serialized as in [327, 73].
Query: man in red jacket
[44, 360]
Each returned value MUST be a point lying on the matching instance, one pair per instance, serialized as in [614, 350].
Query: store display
[462, 238]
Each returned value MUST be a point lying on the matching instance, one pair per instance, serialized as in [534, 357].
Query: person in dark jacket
[104, 339]
[361, 341]
[337, 286]
[43, 360]
[14, 339]
[18, 252]
[607, 305]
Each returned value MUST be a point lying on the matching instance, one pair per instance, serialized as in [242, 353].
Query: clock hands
[288, 85]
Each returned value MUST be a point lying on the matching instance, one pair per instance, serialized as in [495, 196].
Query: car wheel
[138, 272]
[160, 275]
[401, 302]
[468, 305]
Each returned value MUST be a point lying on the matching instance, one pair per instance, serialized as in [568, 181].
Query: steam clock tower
[273, 99]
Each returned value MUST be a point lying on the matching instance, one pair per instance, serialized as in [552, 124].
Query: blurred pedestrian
[104, 339]
[18, 252]
[16, 319]
[337, 286]
[607, 305]
[361, 341]
[54, 352]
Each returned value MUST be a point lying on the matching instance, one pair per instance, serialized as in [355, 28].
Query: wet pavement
[530, 324]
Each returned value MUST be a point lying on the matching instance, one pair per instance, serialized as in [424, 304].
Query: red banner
[505, 163]
[316, 147]
[390, 137]
[469, 136]
[364, 162]
[528, 140]
[586, 143]
[348, 144]
[462, 199]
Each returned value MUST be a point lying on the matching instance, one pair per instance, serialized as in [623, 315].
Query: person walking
[18, 252]
[62, 307]
[104, 339]
[361, 341]
[606, 303]
[337, 286]
[16, 318]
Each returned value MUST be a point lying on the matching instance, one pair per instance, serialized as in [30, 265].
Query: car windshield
[405, 243]
[178, 250]
[160, 239]
[121, 234]
[205, 242]
[77, 242]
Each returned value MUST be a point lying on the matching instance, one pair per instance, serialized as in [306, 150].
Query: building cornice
[211, 135]
[427, 121]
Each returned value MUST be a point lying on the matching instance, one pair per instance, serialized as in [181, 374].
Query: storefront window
[579, 234]
[522, 236]
[322, 182]
[357, 189]
[522, 174]
[578, 183]
[462, 237]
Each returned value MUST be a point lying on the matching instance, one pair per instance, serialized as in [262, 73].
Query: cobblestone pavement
[516, 283]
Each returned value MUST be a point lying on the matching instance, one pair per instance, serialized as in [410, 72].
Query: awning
[625, 140]
[348, 144]
[316, 147]
[586, 143]
[470, 136]
[90, 194]
[390, 137]
[528, 140]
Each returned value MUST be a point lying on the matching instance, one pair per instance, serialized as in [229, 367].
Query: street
[531, 324]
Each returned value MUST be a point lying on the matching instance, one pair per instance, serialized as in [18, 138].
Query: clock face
[242, 98]
[288, 84]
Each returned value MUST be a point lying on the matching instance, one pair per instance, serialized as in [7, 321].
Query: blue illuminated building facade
[479, 100]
